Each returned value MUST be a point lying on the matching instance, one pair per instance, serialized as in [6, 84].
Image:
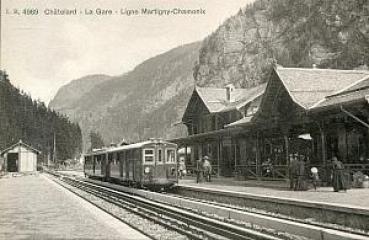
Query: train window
[149, 155]
[136, 154]
[160, 155]
[171, 156]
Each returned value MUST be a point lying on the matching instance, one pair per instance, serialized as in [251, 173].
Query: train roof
[130, 146]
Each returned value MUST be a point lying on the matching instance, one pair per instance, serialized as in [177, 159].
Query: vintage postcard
[184, 119]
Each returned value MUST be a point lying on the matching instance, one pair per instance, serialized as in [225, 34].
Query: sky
[43, 52]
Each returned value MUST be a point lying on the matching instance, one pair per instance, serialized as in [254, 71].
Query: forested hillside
[21, 117]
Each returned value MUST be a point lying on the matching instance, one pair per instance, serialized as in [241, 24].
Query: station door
[227, 166]
[12, 162]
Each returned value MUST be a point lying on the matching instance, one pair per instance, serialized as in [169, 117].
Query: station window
[160, 155]
[170, 154]
[149, 155]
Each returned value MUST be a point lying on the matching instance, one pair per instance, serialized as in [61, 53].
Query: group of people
[299, 177]
[297, 173]
[203, 169]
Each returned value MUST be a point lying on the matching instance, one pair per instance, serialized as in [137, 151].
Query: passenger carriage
[94, 162]
[149, 164]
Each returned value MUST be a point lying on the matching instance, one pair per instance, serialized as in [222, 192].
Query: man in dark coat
[293, 171]
[339, 181]
[200, 170]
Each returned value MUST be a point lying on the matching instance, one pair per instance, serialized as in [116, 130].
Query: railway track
[281, 227]
[184, 222]
[279, 216]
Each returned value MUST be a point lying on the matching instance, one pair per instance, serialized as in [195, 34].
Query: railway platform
[355, 197]
[34, 207]
[343, 209]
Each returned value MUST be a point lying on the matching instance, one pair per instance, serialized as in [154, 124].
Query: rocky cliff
[293, 33]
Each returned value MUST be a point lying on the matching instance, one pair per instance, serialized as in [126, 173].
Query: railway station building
[310, 114]
[20, 157]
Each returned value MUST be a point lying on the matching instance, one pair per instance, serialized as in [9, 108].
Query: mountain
[146, 102]
[22, 118]
[291, 33]
[68, 96]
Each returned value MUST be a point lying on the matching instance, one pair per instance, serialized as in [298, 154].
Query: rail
[318, 229]
[173, 215]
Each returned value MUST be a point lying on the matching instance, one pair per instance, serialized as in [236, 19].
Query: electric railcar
[150, 164]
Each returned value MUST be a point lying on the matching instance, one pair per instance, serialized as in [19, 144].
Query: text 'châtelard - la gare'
[124, 11]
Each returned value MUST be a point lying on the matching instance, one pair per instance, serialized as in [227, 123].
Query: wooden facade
[207, 117]
[313, 114]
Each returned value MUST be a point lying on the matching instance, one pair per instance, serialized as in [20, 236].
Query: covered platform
[305, 115]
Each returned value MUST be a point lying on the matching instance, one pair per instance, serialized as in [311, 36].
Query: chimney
[230, 92]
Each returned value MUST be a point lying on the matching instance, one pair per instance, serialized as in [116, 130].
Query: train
[150, 164]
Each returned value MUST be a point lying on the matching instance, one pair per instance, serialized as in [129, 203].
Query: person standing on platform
[207, 168]
[181, 167]
[293, 172]
[200, 170]
[300, 184]
[339, 182]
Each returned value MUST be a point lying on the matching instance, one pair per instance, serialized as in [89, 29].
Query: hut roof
[20, 143]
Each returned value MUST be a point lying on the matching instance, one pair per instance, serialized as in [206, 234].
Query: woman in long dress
[300, 184]
[339, 181]
[207, 169]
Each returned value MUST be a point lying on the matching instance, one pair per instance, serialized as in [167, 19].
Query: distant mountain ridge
[71, 93]
[138, 104]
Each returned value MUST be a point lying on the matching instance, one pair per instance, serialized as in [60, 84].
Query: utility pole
[54, 149]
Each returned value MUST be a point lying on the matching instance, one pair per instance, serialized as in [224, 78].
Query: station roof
[20, 143]
[248, 96]
[215, 98]
[354, 93]
[242, 122]
[309, 86]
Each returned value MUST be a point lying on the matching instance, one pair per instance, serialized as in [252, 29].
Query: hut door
[12, 162]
